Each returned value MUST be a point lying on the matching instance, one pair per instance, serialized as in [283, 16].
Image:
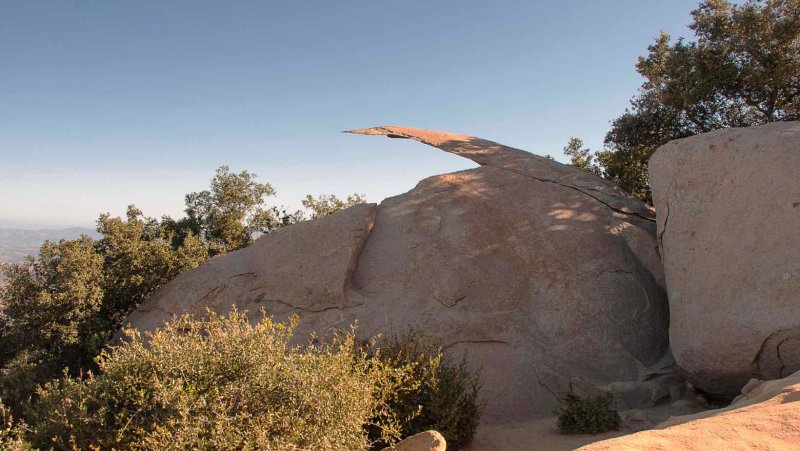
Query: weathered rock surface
[729, 231]
[547, 276]
[304, 268]
[424, 441]
[766, 417]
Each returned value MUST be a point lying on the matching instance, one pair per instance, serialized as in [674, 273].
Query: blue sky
[103, 104]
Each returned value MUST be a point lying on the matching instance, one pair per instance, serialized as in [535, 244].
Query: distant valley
[16, 244]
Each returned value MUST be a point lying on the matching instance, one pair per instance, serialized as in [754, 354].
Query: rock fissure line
[660, 239]
[538, 378]
[617, 271]
[503, 342]
[452, 303]
[210, 292]
[297, 307]
[770, 339]
[580, 190]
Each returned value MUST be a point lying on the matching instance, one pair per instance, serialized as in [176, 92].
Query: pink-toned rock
[729, 228]
[424, 441]
[767, 417]
[547, 277]
[305, 268]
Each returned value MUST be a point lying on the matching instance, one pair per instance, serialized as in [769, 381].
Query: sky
[104, 104]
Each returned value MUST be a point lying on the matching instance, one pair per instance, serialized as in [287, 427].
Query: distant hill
[16, 244]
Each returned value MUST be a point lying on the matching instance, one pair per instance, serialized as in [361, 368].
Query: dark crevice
[663, 228]
[297, 307]
[451, 303]
[583, 191]
[450, 345]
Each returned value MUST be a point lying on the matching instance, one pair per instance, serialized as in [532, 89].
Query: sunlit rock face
[545, 276]
[729, 227]
[764, 416]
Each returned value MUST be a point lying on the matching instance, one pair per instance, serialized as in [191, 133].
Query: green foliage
[581, 157]
[589, 415]
[326, 205]
[232, 211]
[742, 70]
[49, 309]
[222, 383]
[139, 255]
[58, 311]
[445, 395]
[10, 434]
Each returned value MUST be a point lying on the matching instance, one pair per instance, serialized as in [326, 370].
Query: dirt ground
[539, 435]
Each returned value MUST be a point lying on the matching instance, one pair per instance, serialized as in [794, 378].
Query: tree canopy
[581, 157]
[328, 204]
[743, 69]
[229, 213]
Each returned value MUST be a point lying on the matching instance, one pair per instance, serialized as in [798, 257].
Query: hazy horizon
[107, 105]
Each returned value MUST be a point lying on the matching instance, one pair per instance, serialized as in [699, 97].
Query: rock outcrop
[424, 441]
[548, 277]
[304, 268]
[765, 417]
[729, 233]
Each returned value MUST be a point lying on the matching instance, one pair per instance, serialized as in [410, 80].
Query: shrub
[222, 383]
[589, 415]
[9, 434]
[446, 395]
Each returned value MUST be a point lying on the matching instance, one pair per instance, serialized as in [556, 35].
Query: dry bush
[222, 383]
[444, 396]
[10, 439]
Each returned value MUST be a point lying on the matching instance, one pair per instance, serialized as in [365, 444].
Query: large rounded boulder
[728, 207]
[547, 277]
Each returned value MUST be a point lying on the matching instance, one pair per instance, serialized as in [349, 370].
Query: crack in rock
[489, 153]
[503, 342]
[450, 303]
[660, 239]
[297, 307]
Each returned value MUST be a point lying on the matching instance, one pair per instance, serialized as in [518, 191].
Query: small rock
[750, 385]
[424, 441]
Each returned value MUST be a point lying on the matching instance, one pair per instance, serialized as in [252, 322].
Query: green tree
[49, 309]
[58, 311]
[743, 69]
[328, 204]
[139, 255]
[232, 211]
[581, 157]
